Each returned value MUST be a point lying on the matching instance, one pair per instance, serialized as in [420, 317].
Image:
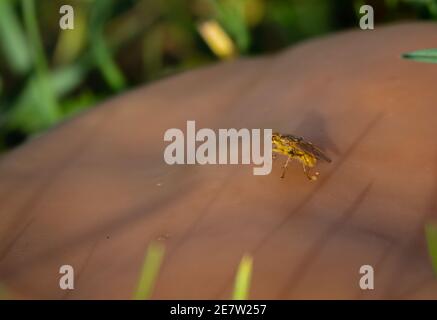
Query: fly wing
[291, 140]
[310, 148]
[300, 143]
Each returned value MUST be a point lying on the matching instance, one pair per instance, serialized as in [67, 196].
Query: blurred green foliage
[48, 74]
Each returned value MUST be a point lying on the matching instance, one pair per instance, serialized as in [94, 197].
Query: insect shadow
[314, 128]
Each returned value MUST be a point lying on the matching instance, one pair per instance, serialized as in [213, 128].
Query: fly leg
[284, 168]
[308, 174]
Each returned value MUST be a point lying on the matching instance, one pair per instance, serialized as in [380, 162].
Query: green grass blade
[431, 239]
[13, 40]
[243, 278]
[427, 55]
[149, 271]
[103, 55]
[44, 96]
[109, 69]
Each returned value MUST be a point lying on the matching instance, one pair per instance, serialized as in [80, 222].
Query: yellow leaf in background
[217, 39]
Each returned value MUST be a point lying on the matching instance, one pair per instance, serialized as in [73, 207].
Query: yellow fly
[297, 148]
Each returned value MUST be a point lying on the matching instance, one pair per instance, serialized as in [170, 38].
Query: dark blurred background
[48, 74]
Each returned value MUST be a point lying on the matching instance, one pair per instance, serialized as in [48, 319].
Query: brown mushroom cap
[95, 191]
